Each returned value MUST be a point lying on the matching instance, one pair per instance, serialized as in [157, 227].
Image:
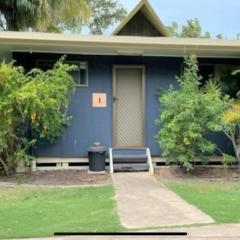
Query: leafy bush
[230, 82]
[228, 160]
[231, 126]
[32, 106]
[230, 123]
[187, 114]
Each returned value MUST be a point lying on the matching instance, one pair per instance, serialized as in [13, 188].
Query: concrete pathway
[144, 202]
[211, 232]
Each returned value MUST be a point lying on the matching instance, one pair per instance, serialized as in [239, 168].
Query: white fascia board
[115, 45]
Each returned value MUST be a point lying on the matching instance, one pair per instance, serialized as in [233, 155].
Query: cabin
[115, 102]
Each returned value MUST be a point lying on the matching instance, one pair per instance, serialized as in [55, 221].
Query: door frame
[114, 68]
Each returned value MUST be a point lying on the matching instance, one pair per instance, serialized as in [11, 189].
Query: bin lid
[97, 147]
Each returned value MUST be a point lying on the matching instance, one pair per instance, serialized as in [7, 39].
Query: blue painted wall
[90, 124]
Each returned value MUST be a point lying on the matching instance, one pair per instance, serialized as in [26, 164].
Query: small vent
[46, 164]
[74, 164]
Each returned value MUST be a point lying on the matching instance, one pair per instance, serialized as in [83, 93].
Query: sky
[215, 16]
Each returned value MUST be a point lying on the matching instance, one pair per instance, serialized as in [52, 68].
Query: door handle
[115, 99]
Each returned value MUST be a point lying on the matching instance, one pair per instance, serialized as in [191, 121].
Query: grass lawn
[221, 200]
[32, 212]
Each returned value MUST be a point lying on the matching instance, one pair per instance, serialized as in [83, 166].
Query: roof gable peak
[144, 8]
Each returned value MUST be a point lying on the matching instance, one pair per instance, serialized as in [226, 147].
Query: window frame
[79, 65]
[74, 62]
[223, 67]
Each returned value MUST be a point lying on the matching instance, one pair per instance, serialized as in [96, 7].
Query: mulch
[57, 178]
[82, 177]
[199, 172]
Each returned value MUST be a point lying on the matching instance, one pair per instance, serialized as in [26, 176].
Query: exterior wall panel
[90, 124]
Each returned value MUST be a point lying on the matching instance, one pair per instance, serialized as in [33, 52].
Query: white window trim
[79, 64]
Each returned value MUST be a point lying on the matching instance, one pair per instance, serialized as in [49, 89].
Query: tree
[191, 29]
[104, 14]
[231, 126]
[230, 83]
[187, 114]
[17, 14]
[43, 15]
[219, 36]
[173, 29]
[35, 103]
[59, 15]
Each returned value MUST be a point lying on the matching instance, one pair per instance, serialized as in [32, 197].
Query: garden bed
[206, 172]
[61, 177]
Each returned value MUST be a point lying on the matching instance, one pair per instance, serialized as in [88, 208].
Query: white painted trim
[111, 161]
[62, 160]
[155, 159]
[61, 163]
[114, 45]
[117, 54]
[33, 166]
[164, 160]
[62, 168]
[151, 170]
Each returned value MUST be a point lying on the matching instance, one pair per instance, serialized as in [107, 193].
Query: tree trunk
[238, 153]
[236, 146]
[5, 168]
[236, 150]
[10, 15]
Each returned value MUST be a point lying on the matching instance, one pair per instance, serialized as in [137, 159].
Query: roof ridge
[153, 18]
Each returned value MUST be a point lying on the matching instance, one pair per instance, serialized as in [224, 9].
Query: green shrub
[187, 114]
[228, 160]
[32, 106]
[231, 127]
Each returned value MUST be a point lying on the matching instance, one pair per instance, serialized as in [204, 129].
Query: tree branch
[4, 166]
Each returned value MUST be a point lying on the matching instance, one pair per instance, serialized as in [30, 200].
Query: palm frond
[236, 72]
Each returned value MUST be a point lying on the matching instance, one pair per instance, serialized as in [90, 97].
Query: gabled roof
[149, 13]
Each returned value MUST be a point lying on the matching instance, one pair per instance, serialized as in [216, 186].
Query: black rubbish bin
[97, 158]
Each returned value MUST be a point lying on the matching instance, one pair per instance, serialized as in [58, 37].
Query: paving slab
[144, 202]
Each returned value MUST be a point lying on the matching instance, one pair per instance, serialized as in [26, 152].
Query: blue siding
[159, 75]
[95, 124]
[88, 124]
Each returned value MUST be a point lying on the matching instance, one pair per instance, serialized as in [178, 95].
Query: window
[207, 71]
[45, 64]
[80, 75]
[230, 83]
